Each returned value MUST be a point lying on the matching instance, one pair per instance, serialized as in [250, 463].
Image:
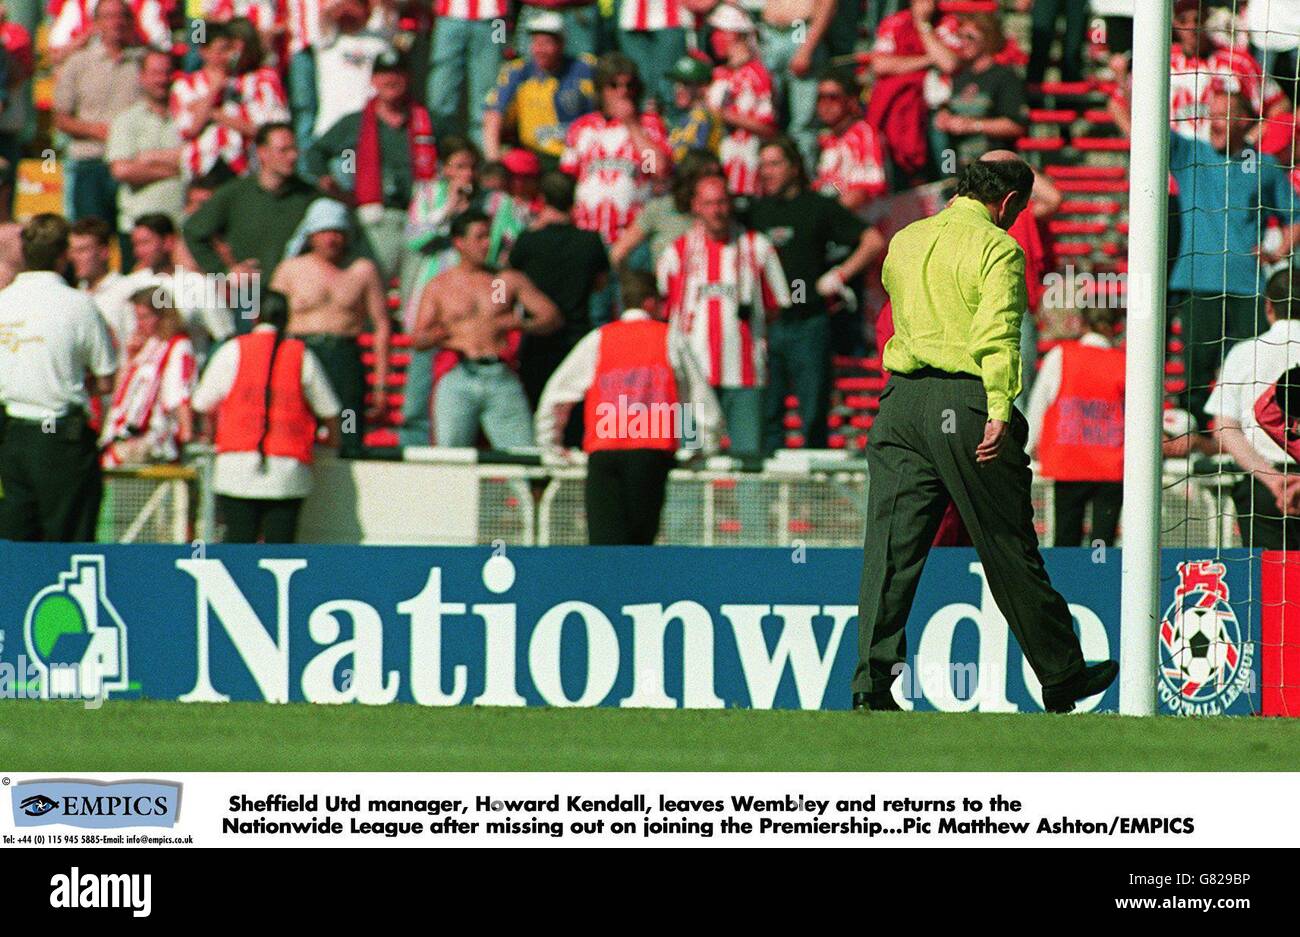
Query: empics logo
[75, 639]
[78, 889]
[96, 805]
[1204, 663]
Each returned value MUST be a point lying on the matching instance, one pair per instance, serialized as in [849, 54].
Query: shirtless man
[470, 310]
[329, 303]
[790, 42]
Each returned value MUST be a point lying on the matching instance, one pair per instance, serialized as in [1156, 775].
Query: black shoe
[876, 702]
[1094, 678]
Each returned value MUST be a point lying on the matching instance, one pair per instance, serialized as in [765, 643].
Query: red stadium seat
[1042, 115]
[1040, 144]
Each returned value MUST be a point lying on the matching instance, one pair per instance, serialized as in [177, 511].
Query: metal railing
[531, 505]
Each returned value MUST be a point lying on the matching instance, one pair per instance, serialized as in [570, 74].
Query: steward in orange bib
[644, 395]
[1076, 429]
[267, 393]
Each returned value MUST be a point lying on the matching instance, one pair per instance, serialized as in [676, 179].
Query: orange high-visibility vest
[631, 401]
[1083, 430]
[241, 417]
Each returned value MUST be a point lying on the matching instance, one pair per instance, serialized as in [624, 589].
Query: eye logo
[38, 805]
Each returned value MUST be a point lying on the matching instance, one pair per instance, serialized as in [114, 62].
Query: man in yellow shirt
[957, 284]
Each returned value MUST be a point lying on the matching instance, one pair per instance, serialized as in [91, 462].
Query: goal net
[1227, 638]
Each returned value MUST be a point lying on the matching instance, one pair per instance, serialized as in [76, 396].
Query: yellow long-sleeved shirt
[957, 284]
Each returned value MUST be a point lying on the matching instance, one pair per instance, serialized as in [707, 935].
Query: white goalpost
[1144, 368]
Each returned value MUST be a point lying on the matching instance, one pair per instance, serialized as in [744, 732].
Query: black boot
[1094, 678]
[876, 702]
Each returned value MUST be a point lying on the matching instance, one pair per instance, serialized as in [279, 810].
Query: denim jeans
[94, 191]
[654, 51]
[489, 395]
[417, 426]
[302, 96]
[464, 56]
[795, 97]
[798, 362]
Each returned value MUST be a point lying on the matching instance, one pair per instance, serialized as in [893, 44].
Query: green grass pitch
[143, 736]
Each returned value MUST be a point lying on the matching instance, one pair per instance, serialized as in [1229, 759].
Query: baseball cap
[390, 60]
[546, 21]
[731, 19]
[690, 71]
[520, 162]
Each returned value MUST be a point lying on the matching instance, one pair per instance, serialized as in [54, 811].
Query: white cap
[546, 21]
[731, 19]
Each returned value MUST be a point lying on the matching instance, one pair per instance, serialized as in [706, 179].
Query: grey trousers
[922, 453]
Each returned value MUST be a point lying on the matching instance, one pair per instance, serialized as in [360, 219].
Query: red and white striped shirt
[72, 19]
[645, 15]
[748, 91]
[854, 161]
[261, 13]
[612, 179]
[718, 295]
[158, 381]
[470, 9]
[302, 20]
[257, 97]
[1193, 81]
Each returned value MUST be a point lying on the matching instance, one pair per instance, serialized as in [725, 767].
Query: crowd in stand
[479, 174]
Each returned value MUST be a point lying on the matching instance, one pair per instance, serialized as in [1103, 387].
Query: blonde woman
[150, 417]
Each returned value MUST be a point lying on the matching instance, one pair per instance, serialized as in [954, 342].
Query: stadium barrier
[451, 498]
[659, 627]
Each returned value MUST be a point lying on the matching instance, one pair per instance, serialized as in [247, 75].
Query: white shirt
[50, 336]
[1113, 7]
[244, 474]
[575, 375]
[1250, 369]
[343, 66]
[112, 296]
[1048, 384]
[1274, 24]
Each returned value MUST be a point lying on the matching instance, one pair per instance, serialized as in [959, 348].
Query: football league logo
[1205, 665]
[74, 636]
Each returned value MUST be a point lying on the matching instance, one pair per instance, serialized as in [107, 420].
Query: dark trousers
[94, 191]
[798, 362]
[1262, 525]
[51, 482]
[1045, 15]
[275, 520]
[1211, 325]
[340, 358]
[1072, 498]
[921, 454]
[625, 495]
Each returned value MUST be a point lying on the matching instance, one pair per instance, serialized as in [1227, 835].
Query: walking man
[644, 394]
[957, 284]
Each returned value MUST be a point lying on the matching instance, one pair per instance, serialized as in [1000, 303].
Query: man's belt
[927, 371]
